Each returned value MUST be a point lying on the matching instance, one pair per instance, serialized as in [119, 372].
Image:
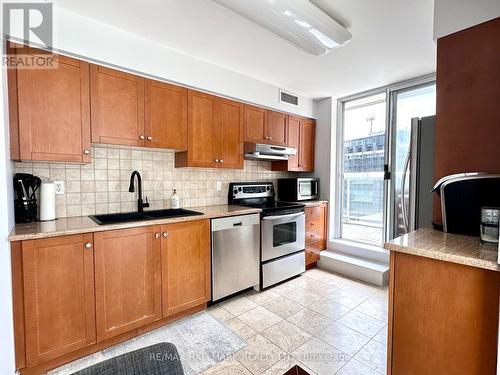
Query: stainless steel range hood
[262, 151]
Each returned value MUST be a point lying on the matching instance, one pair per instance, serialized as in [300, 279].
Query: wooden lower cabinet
[443, 317]
[185, 266]
[58, 280]
[316, 231]
[127, 279]
[78, 294]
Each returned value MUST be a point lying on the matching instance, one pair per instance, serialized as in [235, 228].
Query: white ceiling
[392, 41]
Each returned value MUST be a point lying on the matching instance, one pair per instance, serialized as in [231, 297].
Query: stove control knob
[235, 191]
[239, 189]
[268, 188]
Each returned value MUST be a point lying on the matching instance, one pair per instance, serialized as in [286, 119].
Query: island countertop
[430, 243]
[83, 224]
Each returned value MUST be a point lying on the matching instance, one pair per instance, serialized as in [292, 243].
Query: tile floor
[326, 323]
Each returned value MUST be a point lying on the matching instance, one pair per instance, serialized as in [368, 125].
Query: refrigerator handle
[404, 208]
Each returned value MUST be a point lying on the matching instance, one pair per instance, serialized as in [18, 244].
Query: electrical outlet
[59, 187]
[219, 186]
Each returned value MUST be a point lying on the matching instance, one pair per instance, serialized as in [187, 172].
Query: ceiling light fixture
[298, 21]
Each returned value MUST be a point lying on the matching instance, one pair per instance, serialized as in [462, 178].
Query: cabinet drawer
[314, 213]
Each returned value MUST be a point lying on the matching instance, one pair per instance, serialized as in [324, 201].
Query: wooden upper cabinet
[276, 128]
[293, 140]
[265, 126]
[58, 276]
[215, 133]
[185, 265]
[201, 132]
[127, 279]
[300, 135]
[117, 107]
[306, 149]
[255, 124]
[229, 125]
[166, 115]
[50, 111]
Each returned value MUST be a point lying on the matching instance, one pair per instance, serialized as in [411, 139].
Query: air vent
[288, 98]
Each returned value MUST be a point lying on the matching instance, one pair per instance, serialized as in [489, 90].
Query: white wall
[325, 112]
[7, 364]
[89, 39]
[453, 15]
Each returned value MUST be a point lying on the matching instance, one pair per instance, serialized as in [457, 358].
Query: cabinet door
[276, 128]
[127, 279]
[229, 125]
[166, 115]
[316, 224]
[201, 133]
[307, 138]
[443, 317]
[117, 107]
[54, 111]
[186, 266]
[313, 251]
[255, 124]
[293, 140]
[59, 304]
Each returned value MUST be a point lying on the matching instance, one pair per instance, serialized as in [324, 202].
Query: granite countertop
[430, 243]
[83, 224]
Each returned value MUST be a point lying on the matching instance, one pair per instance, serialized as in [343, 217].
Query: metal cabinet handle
[216, 160]
[88, 245]
[222, 161]
[86, 152]
[165, 234]
[157, 235]
[141, 137]
[150, 138]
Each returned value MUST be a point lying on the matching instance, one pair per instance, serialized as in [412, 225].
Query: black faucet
[131, 189]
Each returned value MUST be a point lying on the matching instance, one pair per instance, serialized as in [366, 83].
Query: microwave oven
[298, 189]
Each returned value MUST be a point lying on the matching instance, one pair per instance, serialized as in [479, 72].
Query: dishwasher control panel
[234, 222]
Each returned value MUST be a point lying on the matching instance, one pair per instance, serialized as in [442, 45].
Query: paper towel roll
[47, 201]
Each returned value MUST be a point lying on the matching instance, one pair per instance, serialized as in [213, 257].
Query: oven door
[282, 235]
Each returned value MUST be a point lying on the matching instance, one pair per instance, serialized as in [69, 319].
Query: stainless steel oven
[282, 230]
[298, 189]
[282, 235]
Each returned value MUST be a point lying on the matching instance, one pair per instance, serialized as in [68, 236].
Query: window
[373, 209]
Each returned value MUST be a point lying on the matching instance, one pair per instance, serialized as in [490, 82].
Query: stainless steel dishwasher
[235, 254]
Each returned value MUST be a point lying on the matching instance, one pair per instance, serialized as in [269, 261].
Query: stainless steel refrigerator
[413, 206]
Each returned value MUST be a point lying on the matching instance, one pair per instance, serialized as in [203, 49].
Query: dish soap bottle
[175, 201]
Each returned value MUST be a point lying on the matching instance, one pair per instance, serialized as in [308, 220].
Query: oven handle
[282, 216]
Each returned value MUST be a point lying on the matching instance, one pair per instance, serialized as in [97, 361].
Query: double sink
[125, 217]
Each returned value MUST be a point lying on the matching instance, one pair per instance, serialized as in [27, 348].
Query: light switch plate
[59, 187]
[219, 186]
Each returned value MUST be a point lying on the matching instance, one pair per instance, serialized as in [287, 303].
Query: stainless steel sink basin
[140, 216]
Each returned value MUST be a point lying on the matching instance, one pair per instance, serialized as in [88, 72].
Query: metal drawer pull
[88, 245]
[86, 152]
[165, 234]
[157, 235]
[238, 224]
[141, 137]
[150, 138]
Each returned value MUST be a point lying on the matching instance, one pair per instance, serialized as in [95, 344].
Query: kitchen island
[443, 304]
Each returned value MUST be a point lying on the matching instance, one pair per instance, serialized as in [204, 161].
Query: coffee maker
[25, 205]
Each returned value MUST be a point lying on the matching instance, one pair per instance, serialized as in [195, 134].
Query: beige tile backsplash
[102, 186]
